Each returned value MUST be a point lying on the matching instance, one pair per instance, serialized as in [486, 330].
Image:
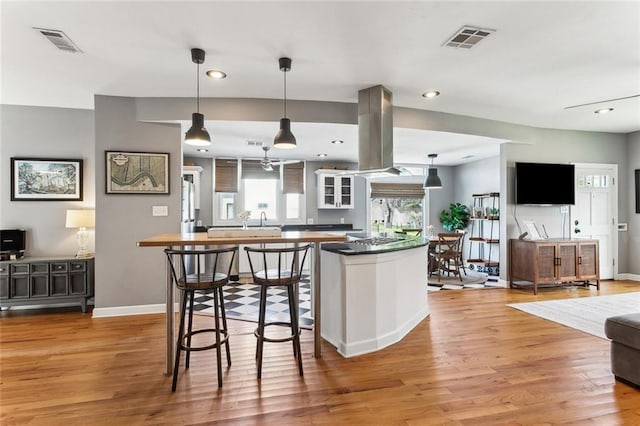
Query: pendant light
[197, 135]
[284, 138]
[433, 181]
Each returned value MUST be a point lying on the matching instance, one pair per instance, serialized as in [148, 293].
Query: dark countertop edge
[339, 248]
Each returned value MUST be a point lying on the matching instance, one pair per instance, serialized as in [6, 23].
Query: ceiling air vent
[254, 143]
[467, 37]
[59, 39]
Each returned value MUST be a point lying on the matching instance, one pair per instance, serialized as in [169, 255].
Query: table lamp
[81, 219]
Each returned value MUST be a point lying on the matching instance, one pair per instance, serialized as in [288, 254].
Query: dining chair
[448, 254]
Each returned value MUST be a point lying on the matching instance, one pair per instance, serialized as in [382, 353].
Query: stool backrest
[277, 266]
[209, 264]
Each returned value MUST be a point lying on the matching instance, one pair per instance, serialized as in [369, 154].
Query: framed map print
[137, 172]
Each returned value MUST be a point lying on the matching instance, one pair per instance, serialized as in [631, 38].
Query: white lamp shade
[81, 218]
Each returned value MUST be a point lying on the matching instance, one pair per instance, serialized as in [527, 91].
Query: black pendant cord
[285, 94]
[198, 88]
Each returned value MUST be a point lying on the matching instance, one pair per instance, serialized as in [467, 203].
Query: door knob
[576, 230]
[576, 222]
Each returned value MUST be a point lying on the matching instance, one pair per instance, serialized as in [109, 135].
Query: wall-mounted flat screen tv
[545, 184]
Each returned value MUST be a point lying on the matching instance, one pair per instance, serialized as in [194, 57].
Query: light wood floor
[474, 361]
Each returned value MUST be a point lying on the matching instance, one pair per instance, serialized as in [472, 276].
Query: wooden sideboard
[46, 280]
[553, 261]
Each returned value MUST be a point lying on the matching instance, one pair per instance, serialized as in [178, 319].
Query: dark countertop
[350, 249]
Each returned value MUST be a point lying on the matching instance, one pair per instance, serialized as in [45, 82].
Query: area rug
[471, 280]
[586, 314]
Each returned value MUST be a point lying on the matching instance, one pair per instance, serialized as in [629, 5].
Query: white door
[593, 215]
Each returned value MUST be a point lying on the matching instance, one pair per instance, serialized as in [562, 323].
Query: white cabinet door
[335, 191]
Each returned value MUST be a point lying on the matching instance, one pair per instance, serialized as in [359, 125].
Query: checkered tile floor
[242, 300]
[434, 286]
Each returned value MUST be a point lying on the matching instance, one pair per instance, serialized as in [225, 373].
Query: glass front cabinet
[334, 191]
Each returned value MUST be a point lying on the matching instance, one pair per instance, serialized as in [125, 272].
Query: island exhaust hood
[375, 134]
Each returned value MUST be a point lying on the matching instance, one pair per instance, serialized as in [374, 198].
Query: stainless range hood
[375, 133]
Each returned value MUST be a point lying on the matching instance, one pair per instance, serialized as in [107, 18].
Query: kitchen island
[204, 239]
[374, 292]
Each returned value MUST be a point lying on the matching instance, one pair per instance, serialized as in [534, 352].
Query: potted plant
[456, 217]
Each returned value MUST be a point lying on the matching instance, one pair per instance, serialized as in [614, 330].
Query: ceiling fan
[267, 164]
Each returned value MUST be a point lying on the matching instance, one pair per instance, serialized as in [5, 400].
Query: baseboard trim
[630, 277]
[120, 311]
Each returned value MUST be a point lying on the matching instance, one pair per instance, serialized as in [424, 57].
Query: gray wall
[633, 235]
[126, 274]
[563, 146]
[46, 133]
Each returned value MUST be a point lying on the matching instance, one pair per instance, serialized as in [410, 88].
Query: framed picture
[137, 172]
[637, 190]
[46, 179]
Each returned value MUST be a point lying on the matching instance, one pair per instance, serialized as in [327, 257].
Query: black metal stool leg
[292, 312]
[223, 313]
[295, 328]
[183, 306]
[260, 334]
[191, 294]
[216, 307]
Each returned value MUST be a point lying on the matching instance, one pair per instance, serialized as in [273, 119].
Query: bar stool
[273, 267]
[200, 271]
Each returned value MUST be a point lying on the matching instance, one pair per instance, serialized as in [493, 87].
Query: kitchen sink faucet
[263, 215]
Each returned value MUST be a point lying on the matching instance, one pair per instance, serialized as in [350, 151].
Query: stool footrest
[184, 347]
[279, 339]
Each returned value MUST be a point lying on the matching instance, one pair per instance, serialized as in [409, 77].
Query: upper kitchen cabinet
[334, 191]
[192, 174]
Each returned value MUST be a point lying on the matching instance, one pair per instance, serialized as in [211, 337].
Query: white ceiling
[543, 57]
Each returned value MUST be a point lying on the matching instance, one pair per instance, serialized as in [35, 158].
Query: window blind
[293, 178]
[226, 175]
[396, 190]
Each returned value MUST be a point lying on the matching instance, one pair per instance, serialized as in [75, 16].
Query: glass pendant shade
[284, 138]
[197, 135]
[433, 180]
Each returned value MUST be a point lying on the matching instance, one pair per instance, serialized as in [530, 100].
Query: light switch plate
[160, 211]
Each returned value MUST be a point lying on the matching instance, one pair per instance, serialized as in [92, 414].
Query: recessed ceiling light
[337, 141]
[217, 74]
[202, 150]
[603, 110]
[430, 94]
[321, 155]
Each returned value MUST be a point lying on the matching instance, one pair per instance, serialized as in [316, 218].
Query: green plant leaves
[457, 217]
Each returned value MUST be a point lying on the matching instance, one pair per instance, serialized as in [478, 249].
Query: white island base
[371, 301]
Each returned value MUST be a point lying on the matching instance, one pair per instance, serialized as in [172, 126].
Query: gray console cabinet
[46, 280]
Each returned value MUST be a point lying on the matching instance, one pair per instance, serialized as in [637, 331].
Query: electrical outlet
[342, 220]
[564, 209]
[309, 221]
[160, 211]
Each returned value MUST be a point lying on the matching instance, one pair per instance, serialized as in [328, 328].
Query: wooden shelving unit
[483, 238]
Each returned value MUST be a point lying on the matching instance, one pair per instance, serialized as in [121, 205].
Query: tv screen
[545, 183]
